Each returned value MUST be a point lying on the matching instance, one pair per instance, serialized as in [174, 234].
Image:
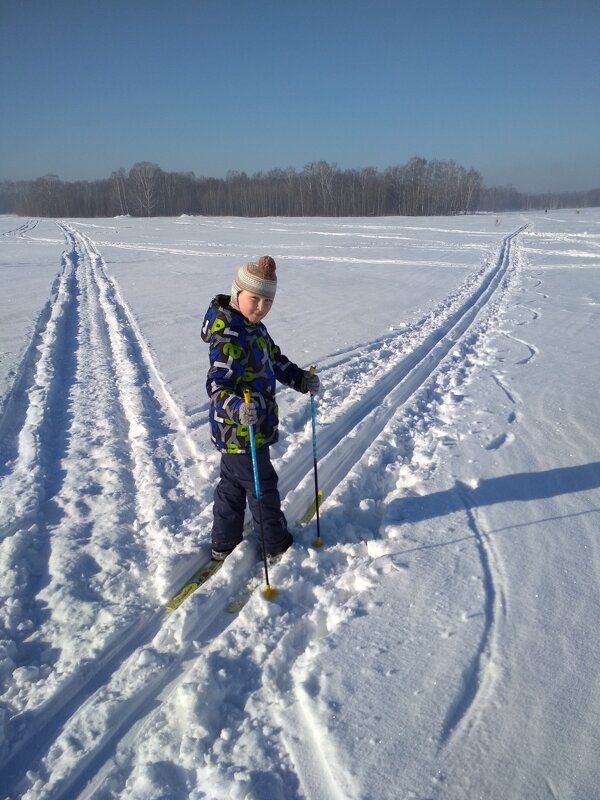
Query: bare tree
[144, 178]
[473, 190]
[119, 181]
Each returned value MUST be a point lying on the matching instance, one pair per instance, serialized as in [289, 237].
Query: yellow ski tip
[269, 592]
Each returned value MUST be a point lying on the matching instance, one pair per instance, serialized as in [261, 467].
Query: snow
[442, 644]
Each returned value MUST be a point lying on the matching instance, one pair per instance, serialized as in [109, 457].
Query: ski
[202, 574]
[311, 510]
[239, 600]
[210, 567]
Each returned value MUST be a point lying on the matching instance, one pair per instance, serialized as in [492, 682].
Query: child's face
[253, 306]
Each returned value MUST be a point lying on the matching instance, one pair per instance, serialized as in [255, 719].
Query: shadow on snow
[519, 487]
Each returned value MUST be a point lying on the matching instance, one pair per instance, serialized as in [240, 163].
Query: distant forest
[321, 189]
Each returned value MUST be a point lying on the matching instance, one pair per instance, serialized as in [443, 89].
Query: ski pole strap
[247, 399]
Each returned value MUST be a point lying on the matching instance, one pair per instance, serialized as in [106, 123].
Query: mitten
[312, 382]
[248, 413]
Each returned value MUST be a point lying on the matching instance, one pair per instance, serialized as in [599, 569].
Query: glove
[312, 383]
[248, 413]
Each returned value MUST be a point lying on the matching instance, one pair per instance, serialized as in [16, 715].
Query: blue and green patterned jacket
[243, 356]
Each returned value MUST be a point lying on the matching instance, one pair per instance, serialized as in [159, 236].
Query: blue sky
[510, 87]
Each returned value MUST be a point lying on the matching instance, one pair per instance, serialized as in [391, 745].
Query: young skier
[244, 357]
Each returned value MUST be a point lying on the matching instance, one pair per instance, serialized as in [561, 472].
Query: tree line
[417, 188]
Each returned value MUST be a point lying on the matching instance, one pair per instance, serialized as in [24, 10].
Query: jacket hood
[220, 310]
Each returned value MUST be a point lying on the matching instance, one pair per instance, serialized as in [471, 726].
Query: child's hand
[248, 413]
[312, 382]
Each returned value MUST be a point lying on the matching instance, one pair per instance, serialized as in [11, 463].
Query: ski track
[82, 389]
[365, 420]
[319, 767]
[133, 406]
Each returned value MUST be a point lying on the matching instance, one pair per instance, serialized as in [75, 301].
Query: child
[243, 356]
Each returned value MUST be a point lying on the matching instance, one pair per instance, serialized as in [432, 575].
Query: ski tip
[199, 577]
[174, 603]
[269, 592]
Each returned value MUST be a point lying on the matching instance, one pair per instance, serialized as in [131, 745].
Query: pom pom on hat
[266, 267]
[257, 278]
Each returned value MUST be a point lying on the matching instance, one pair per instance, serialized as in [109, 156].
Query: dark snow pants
[236, 485]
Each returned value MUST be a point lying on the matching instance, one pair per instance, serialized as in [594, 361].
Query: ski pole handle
[311, 372]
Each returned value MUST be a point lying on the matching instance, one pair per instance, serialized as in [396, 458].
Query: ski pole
[269, 592]
[318, 542]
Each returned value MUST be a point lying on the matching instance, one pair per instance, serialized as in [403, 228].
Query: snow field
[405, 641]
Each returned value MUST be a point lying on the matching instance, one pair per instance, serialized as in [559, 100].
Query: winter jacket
[243, 356]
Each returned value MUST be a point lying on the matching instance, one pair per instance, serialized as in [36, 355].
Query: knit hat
[259, 278]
